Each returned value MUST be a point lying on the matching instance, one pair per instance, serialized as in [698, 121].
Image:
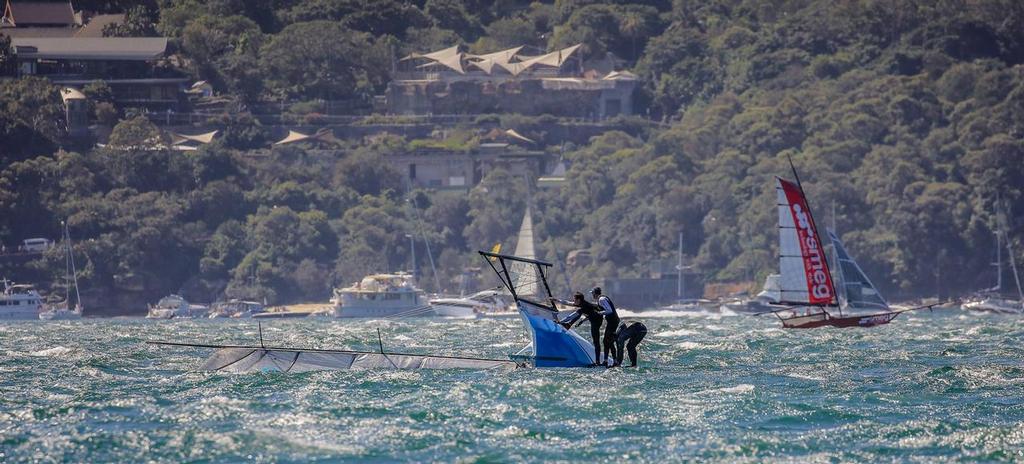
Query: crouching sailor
[593, 314]
[630, 335]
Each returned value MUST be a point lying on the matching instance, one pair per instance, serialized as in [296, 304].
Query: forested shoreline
[904, 118]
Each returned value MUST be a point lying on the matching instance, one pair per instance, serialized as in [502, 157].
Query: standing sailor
[630, 335]
[593, 314]
[611, 323]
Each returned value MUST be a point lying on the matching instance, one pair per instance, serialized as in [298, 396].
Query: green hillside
[904, 118]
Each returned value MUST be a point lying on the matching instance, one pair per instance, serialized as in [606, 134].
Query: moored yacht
[994, 304]
[762, 302]
[479, 304]
[488, 303]
[63, 310]
[235, 308]
[170, 307]
[19, 302]
[381, 295]
[994, 300]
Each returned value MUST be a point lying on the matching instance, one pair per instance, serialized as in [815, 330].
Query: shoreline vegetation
[903, 118]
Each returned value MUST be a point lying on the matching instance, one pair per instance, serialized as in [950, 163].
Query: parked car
[36, 244]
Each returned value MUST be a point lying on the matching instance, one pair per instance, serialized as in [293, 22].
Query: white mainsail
[526, 277]
[803, 270]
[260, 359]
[855, 288]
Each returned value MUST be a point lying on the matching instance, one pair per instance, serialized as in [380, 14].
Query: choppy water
[928, 387]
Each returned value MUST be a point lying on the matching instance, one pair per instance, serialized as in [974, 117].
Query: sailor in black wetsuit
[630, 335]
[611, 323]
[593, 314]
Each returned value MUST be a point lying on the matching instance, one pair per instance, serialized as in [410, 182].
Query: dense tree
[31, 116]
[298, 61]
[904, 119]
[139, 21]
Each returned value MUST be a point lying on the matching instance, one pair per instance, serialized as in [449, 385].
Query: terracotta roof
[94, 28]
[35, 13]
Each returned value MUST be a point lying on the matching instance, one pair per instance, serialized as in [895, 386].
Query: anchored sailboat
[993, 299]
[64, 310]
[806, 284]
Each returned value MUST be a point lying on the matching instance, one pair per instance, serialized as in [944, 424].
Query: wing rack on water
[241, 359]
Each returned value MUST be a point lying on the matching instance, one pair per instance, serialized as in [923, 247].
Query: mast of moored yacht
[1001, 223]
[74, 272]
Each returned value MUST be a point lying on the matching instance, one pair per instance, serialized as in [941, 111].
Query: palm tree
[633, 25]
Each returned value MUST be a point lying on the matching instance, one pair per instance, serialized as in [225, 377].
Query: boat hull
[552, 345]
[60, 315]
[990, 306]
[826, 320]
[453, 311]
[19, 314]
[363, 312]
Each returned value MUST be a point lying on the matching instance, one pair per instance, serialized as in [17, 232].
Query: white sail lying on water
[243, 359]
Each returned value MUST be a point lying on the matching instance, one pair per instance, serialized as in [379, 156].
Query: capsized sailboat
[806, 285]
[551, 344]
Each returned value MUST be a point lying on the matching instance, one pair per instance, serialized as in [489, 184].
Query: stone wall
[583, 98]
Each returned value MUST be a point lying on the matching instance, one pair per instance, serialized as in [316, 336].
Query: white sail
[803, 271]
[526, 278]
[855, 288]
[258, 359]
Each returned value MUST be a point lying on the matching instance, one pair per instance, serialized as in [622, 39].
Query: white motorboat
[769, 295]
[691, 305]
[19, 302]
[170, 307]
[381, 295]
[477, 304]
[235, 308]
[994, 304]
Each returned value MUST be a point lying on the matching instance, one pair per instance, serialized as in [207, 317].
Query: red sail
[820, 290]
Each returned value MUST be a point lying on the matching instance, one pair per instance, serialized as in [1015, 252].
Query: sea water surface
[947, 386]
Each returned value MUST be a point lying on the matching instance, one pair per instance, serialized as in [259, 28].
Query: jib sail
[856, 290]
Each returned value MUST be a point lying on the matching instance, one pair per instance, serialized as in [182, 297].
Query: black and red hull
[824, 319]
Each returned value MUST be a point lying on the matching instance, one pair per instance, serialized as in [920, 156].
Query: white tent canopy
[509, 59]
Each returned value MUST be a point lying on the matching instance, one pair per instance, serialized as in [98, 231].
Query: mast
[423, 233]
[1009, 249]
[817, 237]
[67, 265]
[999, 260]
[679, 282]
[74, 272]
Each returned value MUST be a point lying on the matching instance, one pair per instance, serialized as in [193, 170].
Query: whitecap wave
[676, 333]
[53, 352]
[690, 346]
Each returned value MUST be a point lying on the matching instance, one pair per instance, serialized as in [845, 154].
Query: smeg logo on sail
[817, 279]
